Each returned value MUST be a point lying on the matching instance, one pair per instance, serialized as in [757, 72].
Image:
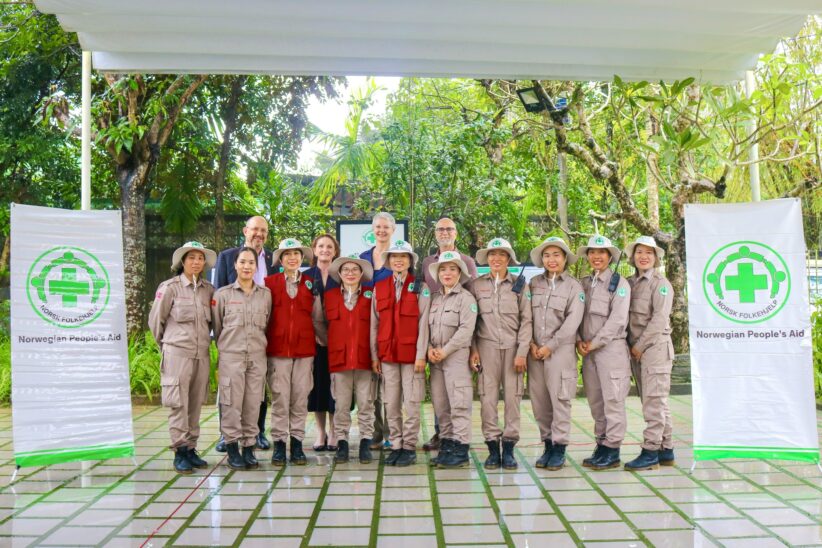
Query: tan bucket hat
[367, 268]
[500, 244]
[179, 253]
[287, 245]
[553, 241]
[598, 241]
[450, 257]
[398, 247]
[650, 242]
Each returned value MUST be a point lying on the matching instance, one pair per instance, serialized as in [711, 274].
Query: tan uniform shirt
[652, 298]
[452, 319]
[606, 314]
[504, 317]
[423, 302]
[240, 319]
[557, 309]
[180, 317]
[317, 312]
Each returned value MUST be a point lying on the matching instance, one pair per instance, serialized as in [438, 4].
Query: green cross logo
[68, 287]
[367, 294]
[400, 243]
[426, 293]
[582, 296]
[369, 239]
[663, 290]
[496, 243]
[746, 282]
[622, 291]
[290, 243]
[599, 240]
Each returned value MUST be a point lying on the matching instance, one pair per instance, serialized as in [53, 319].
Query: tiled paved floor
[118, 503]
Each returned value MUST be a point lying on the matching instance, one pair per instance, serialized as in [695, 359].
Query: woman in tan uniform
[557, 302]
[451, 321]
[241, 312]
[500, 344]
[180, 320]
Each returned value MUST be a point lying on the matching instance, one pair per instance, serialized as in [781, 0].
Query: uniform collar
[649, 274]
[456, 289]
[561, 276]
[186, 282]
[604, 276]
[508, 278]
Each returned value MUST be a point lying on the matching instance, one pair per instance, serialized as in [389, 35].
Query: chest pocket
[641, 306]
[538, 296]
[600, 306]
[557, 303]
[234, 315]
[183, 310]
[451, 314]
[485, 302]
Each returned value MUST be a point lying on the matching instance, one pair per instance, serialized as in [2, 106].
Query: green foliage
[144, 365]
[5, 370]
[816, 337]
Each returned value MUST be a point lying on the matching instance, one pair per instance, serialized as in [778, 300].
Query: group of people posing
[370, 327]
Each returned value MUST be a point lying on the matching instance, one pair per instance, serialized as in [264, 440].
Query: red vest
[398, 322]
[290, 328]
[349, 332]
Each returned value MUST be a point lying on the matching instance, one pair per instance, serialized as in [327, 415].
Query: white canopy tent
[714, 41]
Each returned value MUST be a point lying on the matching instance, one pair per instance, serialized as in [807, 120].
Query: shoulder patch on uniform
[663, 290]
[473, 307]
[622, 291]
[309, 285]
[411, 286]
[582, 296]
[528, 295]
[159, 295]
[426, 292]
[367, 294]
[213, 302]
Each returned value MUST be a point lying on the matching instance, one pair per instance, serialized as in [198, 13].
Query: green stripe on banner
[711, 452]
[70, 454]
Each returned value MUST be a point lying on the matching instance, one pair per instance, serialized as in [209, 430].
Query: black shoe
[249, 458]
[376, 444]
[647, 460]
[456, 458]
[220, 448]
[235, 459]
[278, 457]
[666, 457]
[195, 459]
[609, 459]
[297, 455]
[556, 458]
[342, 452]
[407, 458]
[433, 444]
[508, 460]
[493, 461]
[446, 446]
[365, 451]
[181, 463]
[543, 460]
[262, 442]
[594, 456]
[393, 456]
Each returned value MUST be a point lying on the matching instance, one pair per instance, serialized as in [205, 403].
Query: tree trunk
[4, 256]
[675, 271]
[562, 197]
[132, 179]
[652, 171]
[230, 125]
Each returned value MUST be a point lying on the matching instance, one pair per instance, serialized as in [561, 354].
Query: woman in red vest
[296, 323]
[399, 340]
[348, 313]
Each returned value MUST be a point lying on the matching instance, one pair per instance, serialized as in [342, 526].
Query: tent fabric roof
[712, 40]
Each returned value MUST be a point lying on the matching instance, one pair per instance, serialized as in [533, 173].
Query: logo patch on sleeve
[426, 292]
[473, 307]
[159, 295]
[663, 290]
[622, 291]
[582, 296]
[367, 294]
[309, 285]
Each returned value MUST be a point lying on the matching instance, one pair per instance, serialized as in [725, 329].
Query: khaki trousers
[653, 382]
[606, 376]
[552, 386]
[403, 389]
[290, 381]
[185, 385]
[498, 370]
[242, 385]
[452, 394]
[363, 385]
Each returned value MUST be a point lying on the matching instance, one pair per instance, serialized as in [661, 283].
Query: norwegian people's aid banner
[751, 354]
[70, 383]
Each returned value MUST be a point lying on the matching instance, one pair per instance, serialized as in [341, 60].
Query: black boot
[647, 460]
[220, 447]
[365, 451]
[278, 457]
[609, 459]
[249, 458]
[508, 460]
[543, 460]
[181, 463]
[235, 459]
[556, 459]
[195, 459]
[493, 461]
[456, 458]
[393, 457]
[342, 452]
[262, 442]
[446, 446]
[407, 458]
[666, 457]
[594, 456]
[434, 443]
[297, 454]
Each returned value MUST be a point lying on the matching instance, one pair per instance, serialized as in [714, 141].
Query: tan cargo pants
[290, 381]
[403, 389]
[498, 369]
[363, 385]
[452, 394]
[185, 386]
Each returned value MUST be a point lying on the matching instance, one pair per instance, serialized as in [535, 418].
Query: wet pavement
[143, 502]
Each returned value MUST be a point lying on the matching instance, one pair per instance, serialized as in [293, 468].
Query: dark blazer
[224, 272]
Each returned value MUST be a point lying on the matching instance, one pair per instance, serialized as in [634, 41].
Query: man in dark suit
[256, 233]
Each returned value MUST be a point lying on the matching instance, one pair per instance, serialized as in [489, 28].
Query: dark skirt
[320, 397]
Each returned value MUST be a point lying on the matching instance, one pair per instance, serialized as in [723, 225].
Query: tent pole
[85, 151]
[753, 153]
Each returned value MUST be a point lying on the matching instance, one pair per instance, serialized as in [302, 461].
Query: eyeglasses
[447, 229]
[354, 270]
